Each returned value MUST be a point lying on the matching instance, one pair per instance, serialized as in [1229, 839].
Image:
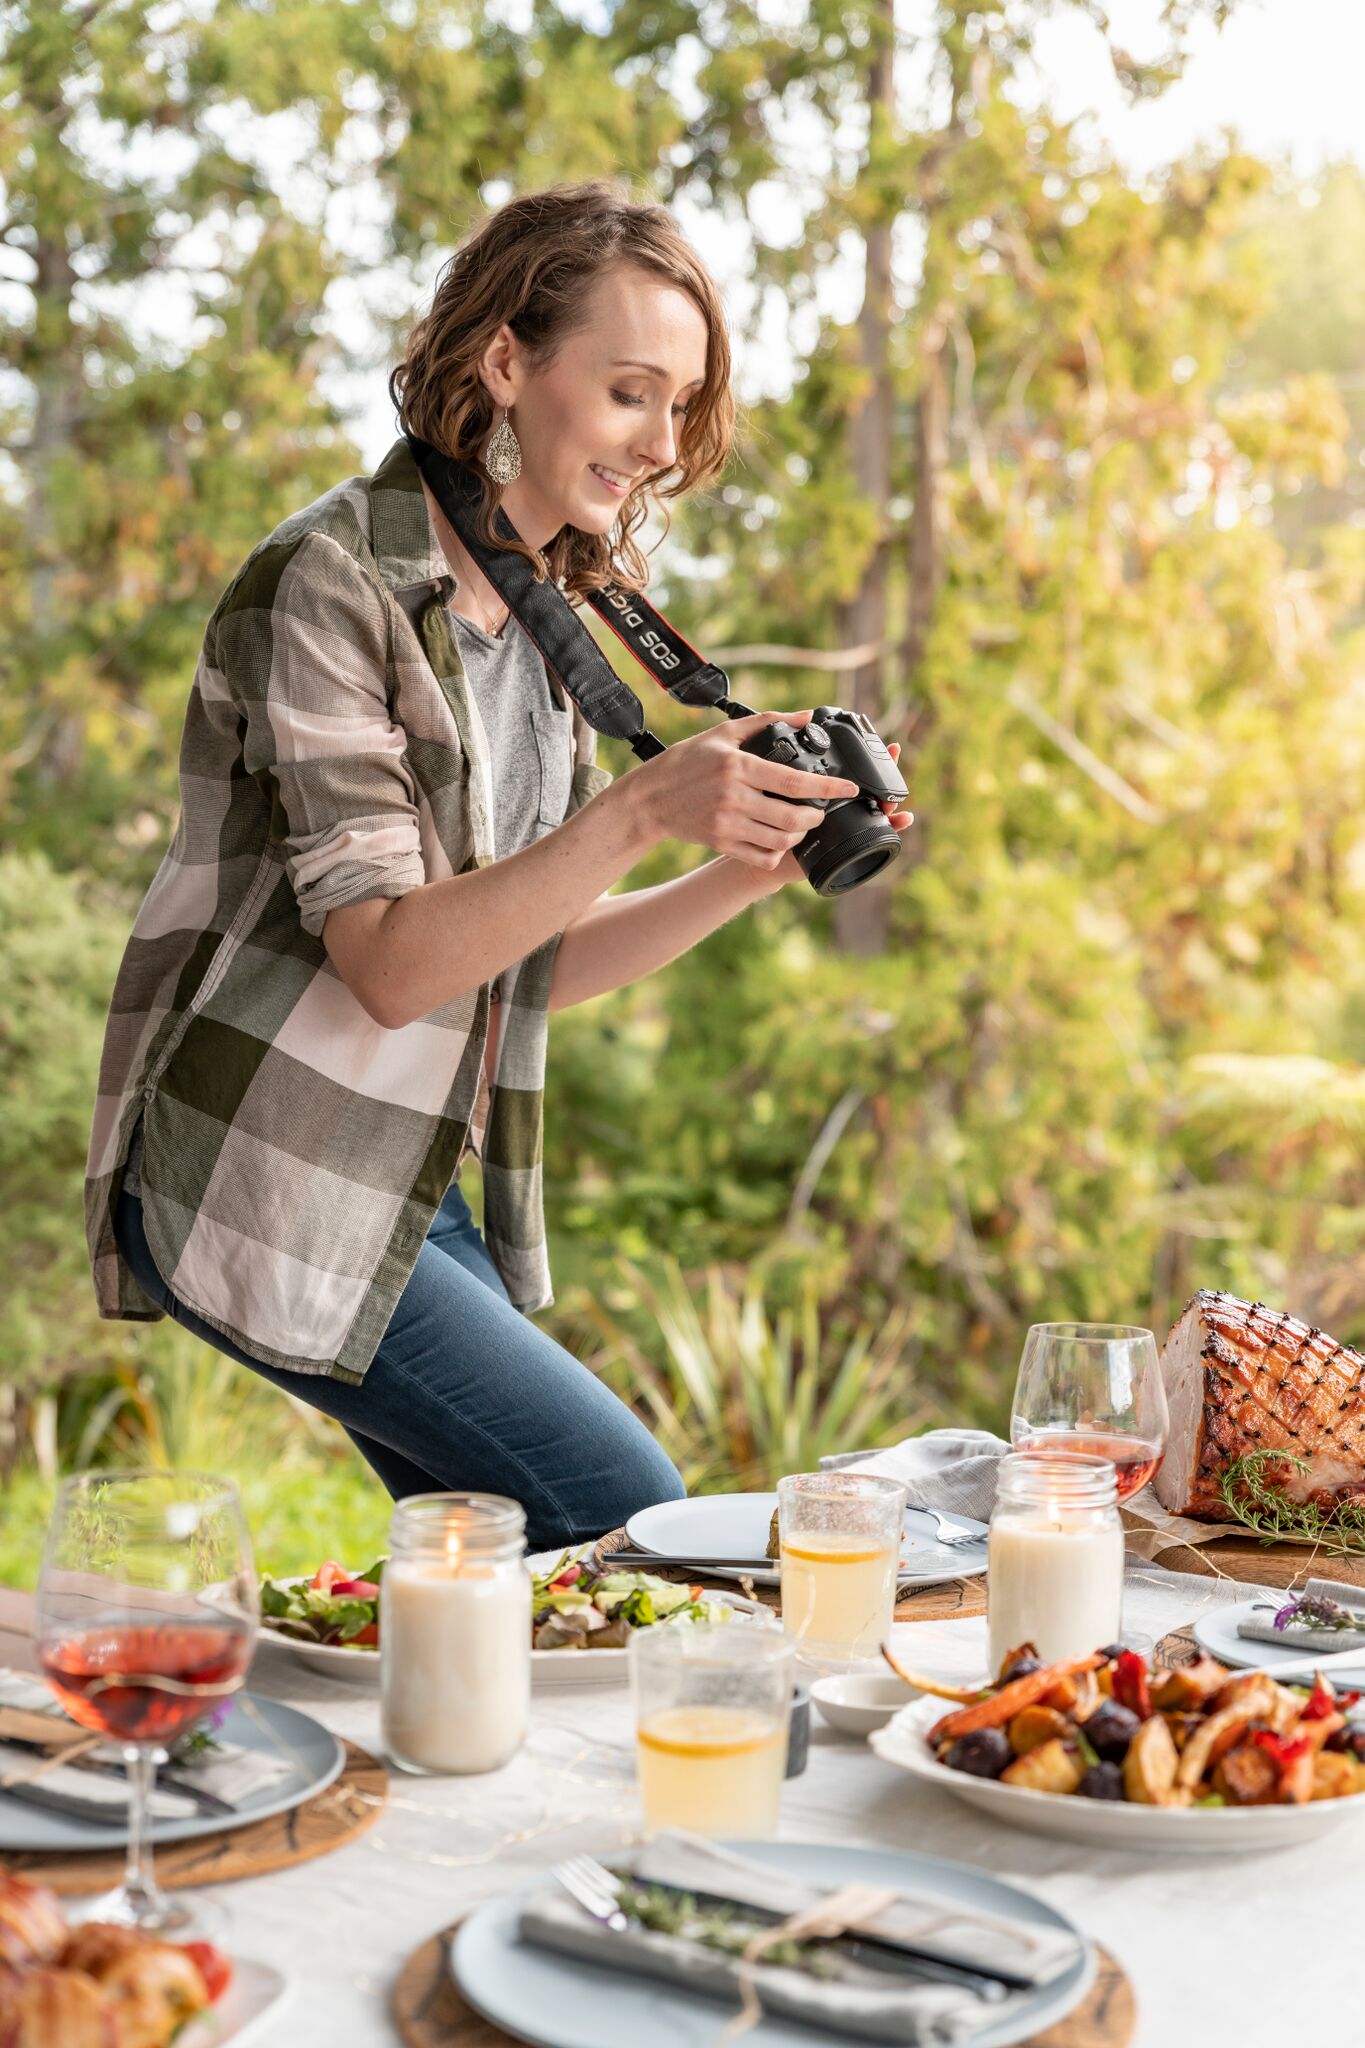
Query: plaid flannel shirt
[295, 1152]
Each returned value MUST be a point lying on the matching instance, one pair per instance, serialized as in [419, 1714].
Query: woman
[393, 860]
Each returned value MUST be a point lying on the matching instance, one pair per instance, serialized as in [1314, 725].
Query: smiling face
[606, 411]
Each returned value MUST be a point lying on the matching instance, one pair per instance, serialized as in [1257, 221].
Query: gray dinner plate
[253, 1723]
[555, 2001]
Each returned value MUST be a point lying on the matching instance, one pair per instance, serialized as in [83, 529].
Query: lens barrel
[851, 846]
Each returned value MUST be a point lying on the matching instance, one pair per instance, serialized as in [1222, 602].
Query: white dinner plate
[737, 1525]
[256, 1994]
[548, 1667]
[1109, 1823]
[253, 1722]
[1216, 1632]
[555, 2001]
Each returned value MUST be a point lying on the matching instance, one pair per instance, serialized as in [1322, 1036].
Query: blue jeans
[466, 1395]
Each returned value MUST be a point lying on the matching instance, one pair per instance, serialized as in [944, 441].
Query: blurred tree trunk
[862, 918]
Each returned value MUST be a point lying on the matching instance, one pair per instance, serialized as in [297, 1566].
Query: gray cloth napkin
[951, 1469]
[869, 2004]
[229, 1772]
[1260, 1627]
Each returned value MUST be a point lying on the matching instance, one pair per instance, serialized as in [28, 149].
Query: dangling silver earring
[502, 459]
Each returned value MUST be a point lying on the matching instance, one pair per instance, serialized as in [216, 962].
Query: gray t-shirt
[529, 727]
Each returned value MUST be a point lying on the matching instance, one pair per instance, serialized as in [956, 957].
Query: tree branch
[1080, 755]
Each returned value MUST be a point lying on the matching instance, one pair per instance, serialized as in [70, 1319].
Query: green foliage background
[1109, 1043]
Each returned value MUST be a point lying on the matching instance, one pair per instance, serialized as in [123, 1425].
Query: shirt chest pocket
[553, 733]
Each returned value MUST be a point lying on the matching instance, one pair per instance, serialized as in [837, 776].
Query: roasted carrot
[1011, 1699]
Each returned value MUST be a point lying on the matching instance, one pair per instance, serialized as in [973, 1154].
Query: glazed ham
[1242, 1377]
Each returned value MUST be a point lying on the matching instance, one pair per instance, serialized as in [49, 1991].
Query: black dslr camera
[855, 842]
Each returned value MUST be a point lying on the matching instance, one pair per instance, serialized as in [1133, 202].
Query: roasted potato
[1050, 1768]
[1035, 1726]
[1149, 1768]
[1247, 1776]
[1193, 1685]
[1337, 1775]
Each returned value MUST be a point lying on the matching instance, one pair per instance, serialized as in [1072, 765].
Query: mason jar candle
[1055, 1575]
[455, 1633]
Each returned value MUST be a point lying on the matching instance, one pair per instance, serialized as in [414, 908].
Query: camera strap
[564, 643]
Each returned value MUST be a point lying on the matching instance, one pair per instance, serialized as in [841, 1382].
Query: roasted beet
[1351, 1740]
[1102, 1781]
[1110, 1729]
[983, 1755]
[1018, 1664]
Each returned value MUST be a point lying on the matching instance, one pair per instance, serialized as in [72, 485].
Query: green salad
[334, 1606]
[573, 1608]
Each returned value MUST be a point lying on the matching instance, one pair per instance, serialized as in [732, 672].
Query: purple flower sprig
[1315, 1610]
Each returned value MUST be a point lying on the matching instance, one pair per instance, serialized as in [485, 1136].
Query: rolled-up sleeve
[305, 653]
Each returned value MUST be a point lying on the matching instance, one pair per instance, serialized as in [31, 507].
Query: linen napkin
[230, 1772]
[93, 1794]
[854, 2000]
[1259, 1627]
[951, 1469]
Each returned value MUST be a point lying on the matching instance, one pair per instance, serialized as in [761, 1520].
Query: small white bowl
[856, 1702]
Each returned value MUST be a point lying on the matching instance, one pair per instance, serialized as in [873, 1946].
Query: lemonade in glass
[712, 1707]
[839, 1537]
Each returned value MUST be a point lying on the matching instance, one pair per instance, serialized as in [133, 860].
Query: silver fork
[594, 1887]
[951, 1531]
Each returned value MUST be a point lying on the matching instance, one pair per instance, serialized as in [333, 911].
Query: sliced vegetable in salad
[575, 1608]
[333, 1606]
[572, 1607]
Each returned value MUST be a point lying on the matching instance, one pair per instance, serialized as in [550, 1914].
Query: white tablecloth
[1250, 1952]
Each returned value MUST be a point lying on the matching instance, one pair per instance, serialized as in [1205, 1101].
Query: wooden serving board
[1272, 1564]
[349, 1805]
[429, 2012]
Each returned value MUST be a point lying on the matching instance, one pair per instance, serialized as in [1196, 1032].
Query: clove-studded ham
[1242, 1377]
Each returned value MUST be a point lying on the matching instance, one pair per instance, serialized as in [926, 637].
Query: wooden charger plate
[349, 1805]
[429, 2012]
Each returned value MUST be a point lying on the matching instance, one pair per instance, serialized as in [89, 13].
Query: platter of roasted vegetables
[1103, 1749]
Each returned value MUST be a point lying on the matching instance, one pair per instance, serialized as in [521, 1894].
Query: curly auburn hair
[531, 266]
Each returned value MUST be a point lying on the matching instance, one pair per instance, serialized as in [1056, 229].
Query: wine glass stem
[144, 1899]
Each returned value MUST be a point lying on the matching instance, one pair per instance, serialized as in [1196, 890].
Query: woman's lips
[608, 483]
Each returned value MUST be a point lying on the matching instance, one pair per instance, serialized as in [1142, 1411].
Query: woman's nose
[658, 444]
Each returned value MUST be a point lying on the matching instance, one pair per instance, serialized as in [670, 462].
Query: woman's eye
[627, 398]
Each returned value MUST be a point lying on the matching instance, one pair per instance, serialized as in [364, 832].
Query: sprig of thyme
[726, 1928]
[1262, 1505]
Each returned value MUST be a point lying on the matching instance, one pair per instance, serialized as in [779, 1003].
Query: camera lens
[851, 846]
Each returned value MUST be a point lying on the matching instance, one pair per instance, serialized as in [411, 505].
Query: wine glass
[1093, 1389]
[146, 1617]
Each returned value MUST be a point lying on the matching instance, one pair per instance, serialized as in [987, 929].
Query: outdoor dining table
[1238, 1951]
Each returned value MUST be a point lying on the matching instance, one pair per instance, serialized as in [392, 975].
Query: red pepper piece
[1130, 1684]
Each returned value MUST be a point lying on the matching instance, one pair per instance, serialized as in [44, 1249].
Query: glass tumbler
[839, 1537]
[712, 1708]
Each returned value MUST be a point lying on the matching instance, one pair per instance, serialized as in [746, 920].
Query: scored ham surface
[1242, 1377]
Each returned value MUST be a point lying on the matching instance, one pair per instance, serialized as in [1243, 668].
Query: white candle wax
[456, 1648]
[1056, 1581]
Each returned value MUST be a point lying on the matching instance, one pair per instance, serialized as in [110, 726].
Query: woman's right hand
[707, 792]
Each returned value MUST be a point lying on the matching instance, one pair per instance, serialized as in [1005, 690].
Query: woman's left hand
[789, 869]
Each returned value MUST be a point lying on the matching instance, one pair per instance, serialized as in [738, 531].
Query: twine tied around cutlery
[822, 1920]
